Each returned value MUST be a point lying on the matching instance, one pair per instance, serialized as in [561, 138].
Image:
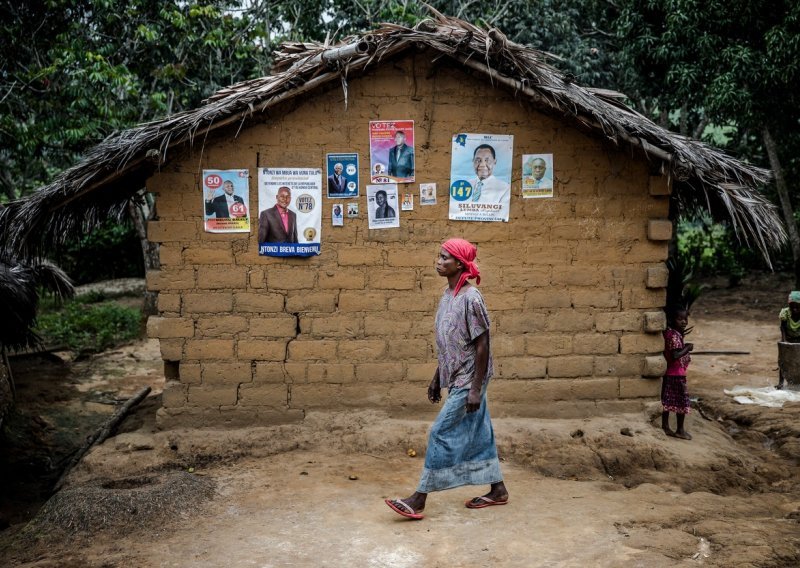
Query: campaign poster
[480, 177]
[427, 194]
[537, 175]
[382, 206]
[408, 202]
[337, 215]
[290, 211]
[352, 210]
[342, 175]
[391, 151]
[227, 201]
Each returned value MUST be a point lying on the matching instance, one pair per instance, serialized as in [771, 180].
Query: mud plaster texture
[574, 284]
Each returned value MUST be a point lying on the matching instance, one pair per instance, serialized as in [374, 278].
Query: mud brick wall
[574, 284]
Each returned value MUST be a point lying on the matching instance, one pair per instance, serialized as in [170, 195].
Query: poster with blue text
[342, 175]
[290, 211]
[480, 177]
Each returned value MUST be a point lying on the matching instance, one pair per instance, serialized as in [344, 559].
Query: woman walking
[461, 448]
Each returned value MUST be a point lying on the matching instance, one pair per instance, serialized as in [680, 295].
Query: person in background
[789, 317]
[674, 394]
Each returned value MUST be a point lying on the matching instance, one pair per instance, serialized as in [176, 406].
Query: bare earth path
[605, 491]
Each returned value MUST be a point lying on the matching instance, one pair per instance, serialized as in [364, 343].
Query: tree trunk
[786, 204]
[140, 213]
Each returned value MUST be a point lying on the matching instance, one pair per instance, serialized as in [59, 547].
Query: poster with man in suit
[391, 142]
[342, 175]
[290, 211]
[480, 177]
[226, 201]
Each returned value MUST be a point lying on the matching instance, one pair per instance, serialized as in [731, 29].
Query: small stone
[411, 452]
[353, 478]
[626, 432]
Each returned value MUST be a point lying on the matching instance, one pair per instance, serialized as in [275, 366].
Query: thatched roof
[20, 286]
[114, 171]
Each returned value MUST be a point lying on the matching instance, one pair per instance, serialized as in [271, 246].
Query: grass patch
[89, 328]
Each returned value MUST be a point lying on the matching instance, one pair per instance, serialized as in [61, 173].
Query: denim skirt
[461, 448]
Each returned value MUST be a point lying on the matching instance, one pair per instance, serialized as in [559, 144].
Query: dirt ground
[603, 491]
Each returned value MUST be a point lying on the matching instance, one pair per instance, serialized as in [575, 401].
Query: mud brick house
[575, 283]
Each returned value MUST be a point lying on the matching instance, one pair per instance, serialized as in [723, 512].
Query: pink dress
[674, 394]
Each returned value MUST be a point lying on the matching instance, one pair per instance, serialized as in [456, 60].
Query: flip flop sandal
[402, 509]
[482, 502]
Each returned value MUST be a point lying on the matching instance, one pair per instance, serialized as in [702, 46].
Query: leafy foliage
[90, 328]
[112, 251]
[74, 71]
[706, 248]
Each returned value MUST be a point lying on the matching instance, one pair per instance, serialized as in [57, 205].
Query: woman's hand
[473, 401]
[434, 390]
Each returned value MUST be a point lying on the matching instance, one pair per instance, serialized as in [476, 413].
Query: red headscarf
[466, 252]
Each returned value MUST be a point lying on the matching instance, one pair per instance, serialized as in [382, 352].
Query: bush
[706, 248]
[112, 250]
[90, 328]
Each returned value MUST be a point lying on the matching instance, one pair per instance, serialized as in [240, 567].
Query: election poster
[382, 207]
[342, 175]
[290, 211]
[391, 151]
[427, 194]
[537, 175]
[337, 215]
[480, 177]
[227, 201]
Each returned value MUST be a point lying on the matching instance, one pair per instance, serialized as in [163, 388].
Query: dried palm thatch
[138, 505]
[114, 171]
[20, 285]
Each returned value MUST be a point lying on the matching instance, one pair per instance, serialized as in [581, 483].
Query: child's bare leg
[680, 432]
[779, 386]
[665, 424]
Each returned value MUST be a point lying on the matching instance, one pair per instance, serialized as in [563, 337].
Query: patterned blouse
[459, 321]
[675, 367]
[792, 327]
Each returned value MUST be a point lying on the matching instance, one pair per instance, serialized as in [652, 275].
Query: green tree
[74, 71]
[730, 64]
[575, 32]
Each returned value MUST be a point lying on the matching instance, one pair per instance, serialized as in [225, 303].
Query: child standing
[790, 326]
[674, 395]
